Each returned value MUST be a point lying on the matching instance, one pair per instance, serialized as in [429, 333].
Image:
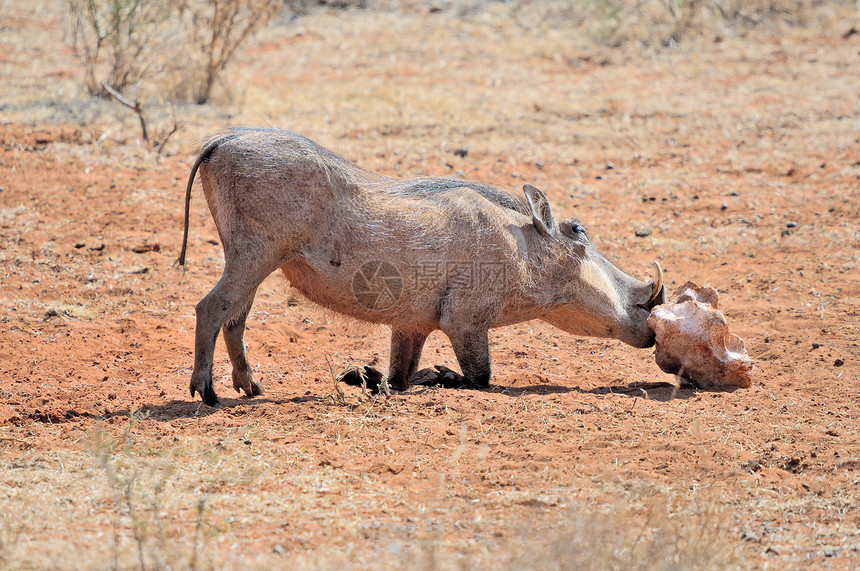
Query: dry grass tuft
[654, 531]
[73, 310]
[663, 23]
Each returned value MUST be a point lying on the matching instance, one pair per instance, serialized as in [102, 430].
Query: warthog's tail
[204, 156]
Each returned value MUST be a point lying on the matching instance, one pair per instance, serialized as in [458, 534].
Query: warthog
[417, 254]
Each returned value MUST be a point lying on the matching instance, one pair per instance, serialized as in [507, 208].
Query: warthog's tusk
[658, 284]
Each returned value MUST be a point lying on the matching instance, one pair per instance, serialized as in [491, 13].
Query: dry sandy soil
[738, 160]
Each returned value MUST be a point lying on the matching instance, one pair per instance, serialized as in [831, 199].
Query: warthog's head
[590, 295]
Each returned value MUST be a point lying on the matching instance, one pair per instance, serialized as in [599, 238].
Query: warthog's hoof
[209, 397]
[444, 377]
[369, 377]
[246, 382]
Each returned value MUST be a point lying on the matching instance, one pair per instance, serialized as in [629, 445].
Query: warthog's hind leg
[234, 338]
[229, 300]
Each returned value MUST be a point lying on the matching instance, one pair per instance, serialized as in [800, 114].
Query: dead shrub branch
[133, 105]
[216, 29]
[138, 110]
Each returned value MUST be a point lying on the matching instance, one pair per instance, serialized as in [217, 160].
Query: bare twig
[338, 397]
[163, 142]
[133, 105]
[198, 531]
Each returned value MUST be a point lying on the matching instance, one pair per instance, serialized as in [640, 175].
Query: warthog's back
[274, 155]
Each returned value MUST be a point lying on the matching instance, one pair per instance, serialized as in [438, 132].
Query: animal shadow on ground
[175, 409]
[662, 392]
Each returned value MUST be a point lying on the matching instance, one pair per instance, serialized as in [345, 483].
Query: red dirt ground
[96, 322]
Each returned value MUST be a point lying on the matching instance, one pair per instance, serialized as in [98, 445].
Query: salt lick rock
[694, 341]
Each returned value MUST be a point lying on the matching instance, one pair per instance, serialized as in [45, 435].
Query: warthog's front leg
[406, 350]
[470, 339]
[472, 349]
[405, 354]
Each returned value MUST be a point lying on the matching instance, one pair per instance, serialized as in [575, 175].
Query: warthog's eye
[573, 229]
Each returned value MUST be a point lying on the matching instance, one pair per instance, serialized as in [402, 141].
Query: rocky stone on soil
[694, 341]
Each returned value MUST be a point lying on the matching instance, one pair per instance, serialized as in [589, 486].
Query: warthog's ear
[541, 212]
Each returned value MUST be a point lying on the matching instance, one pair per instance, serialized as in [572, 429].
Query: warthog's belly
[376, 291]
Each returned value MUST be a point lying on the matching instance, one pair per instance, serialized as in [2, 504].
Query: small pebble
[643, 231]
[748, 535]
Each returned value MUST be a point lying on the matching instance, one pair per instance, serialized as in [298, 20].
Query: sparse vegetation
[216, 29]
[665, 533]
[73, 310]
[661, 23]
[137, 487]
[123, 42]
[119, 41]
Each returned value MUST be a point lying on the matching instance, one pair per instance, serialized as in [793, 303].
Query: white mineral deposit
[694, 341]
